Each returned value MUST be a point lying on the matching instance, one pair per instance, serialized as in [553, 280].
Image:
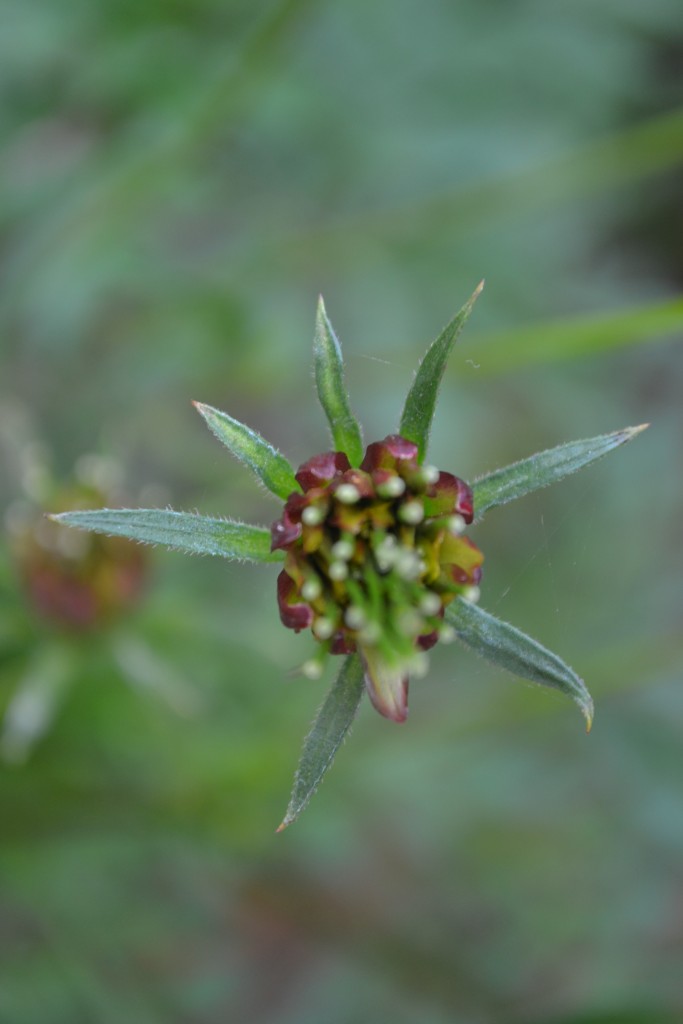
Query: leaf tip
[321, 318]
[632, 432]
[286, 821]
[588, 711]
[469, 305]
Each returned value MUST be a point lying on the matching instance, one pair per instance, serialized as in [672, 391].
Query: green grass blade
[331, 725]
[514, 651]
[329, 380]
[578, 336]
[266, 462]
[418, 411]
[544, 468]
[185, 531]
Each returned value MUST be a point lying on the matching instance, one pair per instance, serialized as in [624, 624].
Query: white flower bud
[412, 512]
[430, 603]
[411, 623]
[311, 589]
[312, 669]
[371, 633]
[343, 550]
[408, 564]
[355, 617]
[456, 524]
[338, 571]
[323, 628]
[419, 665]
[312, 515]
[348, 494]
[447, 634]
[391, 488]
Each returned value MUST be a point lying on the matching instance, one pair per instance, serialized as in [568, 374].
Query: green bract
[373, 560]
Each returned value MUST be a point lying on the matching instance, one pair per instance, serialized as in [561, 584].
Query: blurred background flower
[178, 183]
[74, 595]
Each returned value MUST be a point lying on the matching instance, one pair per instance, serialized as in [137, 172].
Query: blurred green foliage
[177, 183]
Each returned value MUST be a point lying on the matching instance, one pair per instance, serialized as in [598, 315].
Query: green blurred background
[178, 182]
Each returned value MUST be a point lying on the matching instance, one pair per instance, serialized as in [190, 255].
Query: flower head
[374, 556]
[375, 562]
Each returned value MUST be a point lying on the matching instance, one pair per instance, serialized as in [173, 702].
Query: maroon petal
[450, 494]
[283, 534]
[361, 481]
[464, 558]
[465, 502]
[428, 640]
[293, 613]
[342, 644]
[385, 454]
[319, 470]
[285, 531]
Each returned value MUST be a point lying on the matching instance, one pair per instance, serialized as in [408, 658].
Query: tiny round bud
[430, 474]
[312, 669]
[371, 633]
[338, 571]
[323, 628]
[311, 589]
[419, 665]
[412, 512]
[343, 550]
[348, 494]
[456, 524]
[355, 617]
[408, 565]
[411, 623]
[447, 634]
[312, 515]
[430, 603]
[391, 488]
[471, 595]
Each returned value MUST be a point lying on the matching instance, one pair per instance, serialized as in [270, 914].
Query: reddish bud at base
[294, 613]
[387, 687]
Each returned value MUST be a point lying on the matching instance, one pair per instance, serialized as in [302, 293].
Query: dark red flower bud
[319, 470]
[342, 644]
[360, 480]
[427, 641]
[448, 495]
[385, 454]
[464, 558]
[294, 613]
[288, 529]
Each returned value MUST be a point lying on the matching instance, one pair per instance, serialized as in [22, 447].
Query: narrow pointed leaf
[544, 468]
[184, 531]
[331, 725]
[329, 381]
[418, 411]
[506, 646]
[269, 465]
